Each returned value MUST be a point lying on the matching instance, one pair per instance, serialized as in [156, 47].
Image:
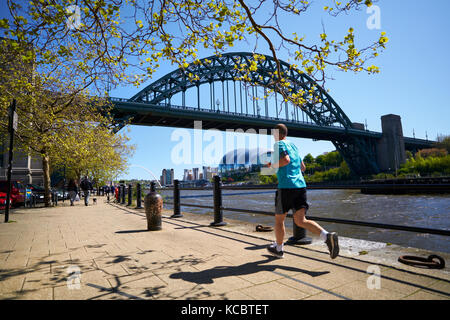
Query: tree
[93, 151]
[79, 48]
[52, 113]
[102, 39]
[432, 152]
[308, 159]
[443, 142]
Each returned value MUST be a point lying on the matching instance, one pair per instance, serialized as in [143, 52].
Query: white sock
[280, 247]
[323, 235]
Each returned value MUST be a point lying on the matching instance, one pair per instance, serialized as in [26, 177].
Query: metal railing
[299, 234]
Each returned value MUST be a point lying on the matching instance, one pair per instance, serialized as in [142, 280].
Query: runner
[291, 194]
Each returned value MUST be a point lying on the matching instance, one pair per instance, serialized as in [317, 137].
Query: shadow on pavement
[208, 276]
[132, 231]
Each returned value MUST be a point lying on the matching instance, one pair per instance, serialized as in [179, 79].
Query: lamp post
[12, 128]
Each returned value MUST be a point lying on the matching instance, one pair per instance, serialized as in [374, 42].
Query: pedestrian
[72, 187]
[291, 194]
[113, 191]
[117, 194]
[106, 190]
[86, 186]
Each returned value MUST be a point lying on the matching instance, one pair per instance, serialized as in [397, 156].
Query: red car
[18, 191]
[3, 201]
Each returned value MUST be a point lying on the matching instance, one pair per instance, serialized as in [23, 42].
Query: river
[429, 211]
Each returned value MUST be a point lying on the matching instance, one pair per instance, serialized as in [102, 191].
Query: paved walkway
[104, 252]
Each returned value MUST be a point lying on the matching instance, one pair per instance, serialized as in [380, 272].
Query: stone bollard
[153, 204]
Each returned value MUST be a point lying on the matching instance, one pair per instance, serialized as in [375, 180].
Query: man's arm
[284, 161]
[303, 167]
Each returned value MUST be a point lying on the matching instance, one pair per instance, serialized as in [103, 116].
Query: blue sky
[413, 81]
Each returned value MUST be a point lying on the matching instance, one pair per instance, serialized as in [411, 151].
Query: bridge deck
[184, 117]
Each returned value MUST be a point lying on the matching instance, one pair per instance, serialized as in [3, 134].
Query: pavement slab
[104, 252]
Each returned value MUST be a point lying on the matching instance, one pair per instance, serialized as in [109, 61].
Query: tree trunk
[46, 168]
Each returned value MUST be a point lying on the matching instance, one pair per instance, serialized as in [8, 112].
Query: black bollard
[130, 194]
[176, 200]
[153, 204]
[138, 196]
[56, 198]
[122, 201]
[218, 214]
[299, 236]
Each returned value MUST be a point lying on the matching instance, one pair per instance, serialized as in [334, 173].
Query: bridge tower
[391, 147]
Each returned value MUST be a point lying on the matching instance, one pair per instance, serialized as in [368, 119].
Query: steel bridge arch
[223, 68]
[359, 152]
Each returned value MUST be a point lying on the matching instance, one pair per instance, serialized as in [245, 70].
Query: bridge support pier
[391, 147]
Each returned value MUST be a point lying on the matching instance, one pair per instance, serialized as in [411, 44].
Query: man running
[291, 194]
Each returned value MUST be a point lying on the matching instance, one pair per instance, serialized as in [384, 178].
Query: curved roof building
[244, 158]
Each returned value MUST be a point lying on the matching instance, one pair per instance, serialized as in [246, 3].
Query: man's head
[280, 132]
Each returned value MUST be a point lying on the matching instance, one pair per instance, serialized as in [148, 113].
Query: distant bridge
[221, 102]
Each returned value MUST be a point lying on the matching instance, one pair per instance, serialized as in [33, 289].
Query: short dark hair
[282, 129]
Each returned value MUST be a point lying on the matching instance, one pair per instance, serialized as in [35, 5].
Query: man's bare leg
[279, 228]
[331, 239]
[301, 221]
[277, 248]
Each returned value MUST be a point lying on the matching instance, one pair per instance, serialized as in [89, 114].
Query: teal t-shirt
[289, 176]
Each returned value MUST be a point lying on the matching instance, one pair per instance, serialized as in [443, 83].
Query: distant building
[209, 173]
[244, 159]
[167, 177]
[25, 168]
[195, 173]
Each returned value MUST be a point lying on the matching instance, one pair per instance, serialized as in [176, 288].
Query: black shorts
[287, 199]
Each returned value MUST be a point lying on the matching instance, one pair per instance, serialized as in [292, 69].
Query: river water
[429, 211]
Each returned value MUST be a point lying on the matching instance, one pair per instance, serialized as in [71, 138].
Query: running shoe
[333, 245]
[273, 251]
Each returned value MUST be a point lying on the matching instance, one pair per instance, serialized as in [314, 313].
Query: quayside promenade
[104, 251]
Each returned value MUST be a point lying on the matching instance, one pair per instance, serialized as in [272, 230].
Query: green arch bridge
[220, 101]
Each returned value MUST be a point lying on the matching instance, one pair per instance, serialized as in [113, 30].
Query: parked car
[38, 191]
[3, 201]
[18, 192]
[62, 194]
